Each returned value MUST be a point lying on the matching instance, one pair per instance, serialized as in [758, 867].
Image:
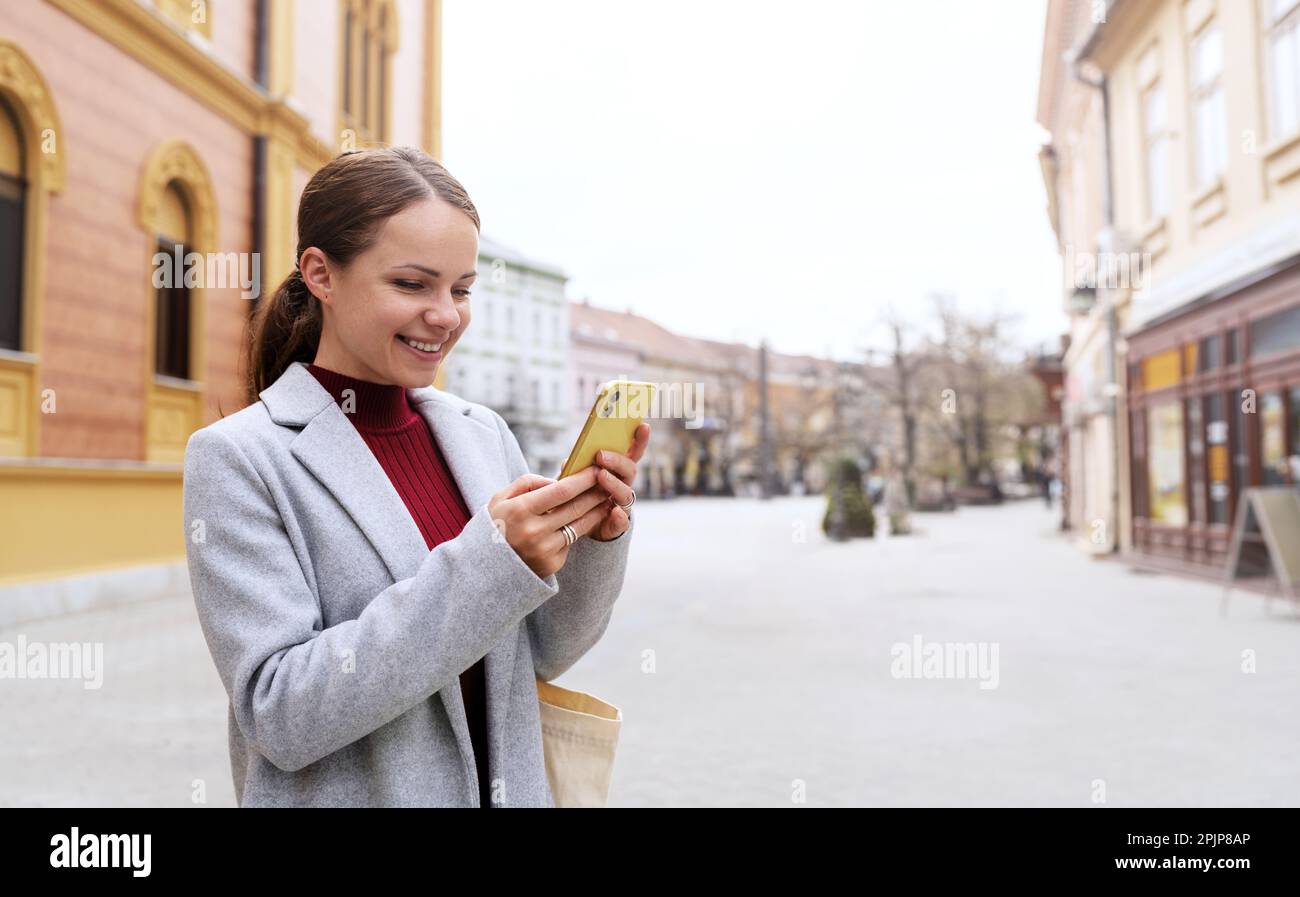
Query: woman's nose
[444, 315]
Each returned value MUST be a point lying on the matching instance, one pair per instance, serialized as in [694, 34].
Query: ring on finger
[570, 534]
[631, 501]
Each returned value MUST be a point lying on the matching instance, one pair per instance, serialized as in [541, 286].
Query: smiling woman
[387, 243]
[381, 581]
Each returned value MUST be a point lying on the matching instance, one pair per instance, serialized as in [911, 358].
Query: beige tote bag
[579, 737]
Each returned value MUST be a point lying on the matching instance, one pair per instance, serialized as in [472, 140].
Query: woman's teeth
[423, 347]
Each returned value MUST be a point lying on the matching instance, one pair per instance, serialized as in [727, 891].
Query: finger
[590, 520]
[574, 508]
[539, 501]
[621, 466]
[582, 525]
[619, 490]
[640, 439]
[525, 483]
[619, 521]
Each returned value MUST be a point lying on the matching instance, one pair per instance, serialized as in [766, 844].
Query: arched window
[13, 190]
[366, 48]
[172, 334]
[32, 166]
[178, 213]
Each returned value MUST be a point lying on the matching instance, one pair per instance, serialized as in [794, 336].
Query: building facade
[514, 356]
[131, 129]
[1096, 290]
[1203, 129]
[599, 354]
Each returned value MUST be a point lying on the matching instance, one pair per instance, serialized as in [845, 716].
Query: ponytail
[285, 328]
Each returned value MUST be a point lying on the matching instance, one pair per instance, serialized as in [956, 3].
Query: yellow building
[1070, 107]
[1202, 134]
[130, 128]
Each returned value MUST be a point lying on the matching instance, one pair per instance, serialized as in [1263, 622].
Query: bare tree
[985, 385]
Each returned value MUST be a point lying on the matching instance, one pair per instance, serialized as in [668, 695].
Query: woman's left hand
[616, 476]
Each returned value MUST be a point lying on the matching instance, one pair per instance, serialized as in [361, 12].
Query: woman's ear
[315, 269]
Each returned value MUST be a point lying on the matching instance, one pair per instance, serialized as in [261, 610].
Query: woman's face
[411, 285]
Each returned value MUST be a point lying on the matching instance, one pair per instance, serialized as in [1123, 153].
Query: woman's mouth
[423, 349]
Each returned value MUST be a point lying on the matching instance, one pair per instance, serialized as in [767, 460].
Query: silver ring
[631, 502]
[570, 534]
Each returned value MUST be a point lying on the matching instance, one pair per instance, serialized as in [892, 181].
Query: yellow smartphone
[619, 408]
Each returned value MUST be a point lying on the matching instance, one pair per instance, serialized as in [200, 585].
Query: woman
[379, 578]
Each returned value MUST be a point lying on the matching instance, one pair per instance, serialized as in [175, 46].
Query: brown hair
[340, 212]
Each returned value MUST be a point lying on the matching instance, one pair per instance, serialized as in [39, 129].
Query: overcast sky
[738, 170]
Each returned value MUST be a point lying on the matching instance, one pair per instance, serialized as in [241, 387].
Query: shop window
[1196, 459]
[1137, 432]
[1237, 440]
[1293, 429]
[1159, 371]
[1208, 357]
[1165, 464]
[1217, 458]
[1278, 332]
[1231, 351]
[1272, 440]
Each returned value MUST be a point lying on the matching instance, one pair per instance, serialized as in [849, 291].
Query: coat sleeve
[300, 691]
[567, 625]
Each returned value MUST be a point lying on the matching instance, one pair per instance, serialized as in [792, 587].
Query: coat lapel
[331, 448]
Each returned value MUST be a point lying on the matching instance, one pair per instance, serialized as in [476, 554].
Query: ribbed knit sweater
[401, 441]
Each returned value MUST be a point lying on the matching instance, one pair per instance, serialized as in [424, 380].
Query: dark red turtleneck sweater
[402, 443]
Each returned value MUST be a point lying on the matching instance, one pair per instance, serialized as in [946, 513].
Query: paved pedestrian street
[982, 661]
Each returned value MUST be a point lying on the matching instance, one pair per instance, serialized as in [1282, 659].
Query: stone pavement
[753, 661]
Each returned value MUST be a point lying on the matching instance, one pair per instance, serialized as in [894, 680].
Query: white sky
[737, 170]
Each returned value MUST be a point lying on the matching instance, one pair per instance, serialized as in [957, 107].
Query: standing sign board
[1266, 539]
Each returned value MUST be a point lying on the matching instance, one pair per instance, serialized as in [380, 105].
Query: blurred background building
[128, 127]
[514, 356]
[135, 127]
[1074, 165]
[1176, 141]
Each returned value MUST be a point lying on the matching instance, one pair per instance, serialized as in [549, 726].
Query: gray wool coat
[340, 637]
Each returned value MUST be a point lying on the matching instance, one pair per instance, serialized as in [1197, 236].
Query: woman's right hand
[530, 514]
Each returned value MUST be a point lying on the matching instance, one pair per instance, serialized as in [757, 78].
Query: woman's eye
[462, 293]
[408, 284]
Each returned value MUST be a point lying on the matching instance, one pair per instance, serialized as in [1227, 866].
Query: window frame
[1207, 103]
[1155, 138]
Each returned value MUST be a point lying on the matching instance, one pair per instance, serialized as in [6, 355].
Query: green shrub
[859, 518]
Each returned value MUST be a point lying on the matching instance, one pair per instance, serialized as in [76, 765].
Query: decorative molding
[21, 80]
[281, 57]
[1282, 159]
[176, 160]
[147, 35]
[182, 13]
[1210, 204]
